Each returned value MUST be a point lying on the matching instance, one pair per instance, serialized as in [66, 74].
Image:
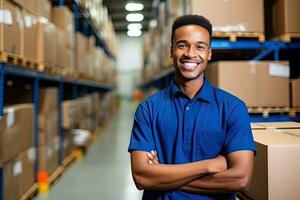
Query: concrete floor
[104, 173]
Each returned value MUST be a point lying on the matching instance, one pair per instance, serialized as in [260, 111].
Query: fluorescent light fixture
[138, 26]
[134, 17]
[134, 6]
[134, 33]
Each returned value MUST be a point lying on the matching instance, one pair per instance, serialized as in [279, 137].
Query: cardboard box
[275, 125]
[255, 83]
[233, 15]
[11, 28]
[31, 6]
[90, 44]
[19, 2]
[46, 42]
[48, 101]
[295, 93]
[44, 8]
[285, 17]
[69, 111]
[48, 157]
[62, 17]
[48, 127]
[16, 131]
[276, 167]
[27, 177]
[60, 47]
[30, 35]
[11, 179]
[241, 15]
[68, 143]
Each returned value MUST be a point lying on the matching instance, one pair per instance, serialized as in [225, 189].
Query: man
[191, 140]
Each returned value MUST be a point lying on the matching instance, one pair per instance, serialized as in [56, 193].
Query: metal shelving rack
[37, 78]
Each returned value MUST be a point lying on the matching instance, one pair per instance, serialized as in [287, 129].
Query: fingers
[153, 159]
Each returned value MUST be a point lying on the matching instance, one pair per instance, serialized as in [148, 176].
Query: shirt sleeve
[238, 133]
[141, 134]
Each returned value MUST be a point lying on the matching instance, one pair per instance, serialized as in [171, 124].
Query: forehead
[191, 33]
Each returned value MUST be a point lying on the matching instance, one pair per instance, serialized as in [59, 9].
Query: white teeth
[190, 65]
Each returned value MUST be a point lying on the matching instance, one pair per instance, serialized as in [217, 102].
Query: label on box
[17, 169]
[31, 154]
[28, 21]
[6, 17]
[10, 117]
[280, 70]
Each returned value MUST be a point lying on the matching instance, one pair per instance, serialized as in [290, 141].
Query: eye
[182, 46]
[200, 47]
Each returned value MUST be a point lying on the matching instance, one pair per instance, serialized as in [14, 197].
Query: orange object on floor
[42, 177]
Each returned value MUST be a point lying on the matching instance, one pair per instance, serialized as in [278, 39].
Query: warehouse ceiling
[117, 11]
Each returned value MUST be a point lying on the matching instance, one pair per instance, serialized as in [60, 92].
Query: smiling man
[191, 140]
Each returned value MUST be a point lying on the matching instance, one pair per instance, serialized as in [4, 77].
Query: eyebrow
[185, 41]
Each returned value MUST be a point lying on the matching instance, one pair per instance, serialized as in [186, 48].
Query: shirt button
[187, 108]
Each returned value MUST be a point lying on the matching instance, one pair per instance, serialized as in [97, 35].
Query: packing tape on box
[17, 168]
[6, 17]
[279, 70]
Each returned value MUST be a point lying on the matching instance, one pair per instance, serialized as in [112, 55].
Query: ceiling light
[138, 26]
[134, 33]
[134, 17]
[153, 23]
[134, 6]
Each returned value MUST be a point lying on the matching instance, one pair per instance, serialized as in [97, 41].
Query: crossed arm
[216, 175]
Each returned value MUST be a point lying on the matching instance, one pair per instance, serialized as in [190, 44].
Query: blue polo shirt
[184, 130]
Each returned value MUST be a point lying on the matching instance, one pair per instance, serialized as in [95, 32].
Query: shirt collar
[205, 93]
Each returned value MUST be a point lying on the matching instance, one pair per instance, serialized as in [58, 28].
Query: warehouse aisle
[104, 173]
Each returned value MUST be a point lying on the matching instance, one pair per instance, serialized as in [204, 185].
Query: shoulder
[155, 100]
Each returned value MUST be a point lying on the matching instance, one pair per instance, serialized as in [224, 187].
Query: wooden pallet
[287, 37]
[266, 111]
[10, 58]
[32, 64]
[235, 36]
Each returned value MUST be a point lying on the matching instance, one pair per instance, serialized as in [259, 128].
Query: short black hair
[191, 20]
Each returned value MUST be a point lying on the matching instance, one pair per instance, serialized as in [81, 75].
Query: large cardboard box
[16, 131]
[46, 42]
[241, 15]
[276, 167]
[285, 17]
[60, 47]
[48, 100]
[69, 111]
[48, 127]
[30, 35]
[27, 158]
[11, 179]
[31, 6]
[295, 93]
[11, 28]
[233, 15]
[48, 157]
[255, 83]
[19, 2]
[44, 9]
[62, 17]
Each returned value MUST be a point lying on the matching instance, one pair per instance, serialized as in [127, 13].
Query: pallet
[266, 111]
[32, 64]
[287, 37]
[235, 36]
[30, 193]
[10, 58]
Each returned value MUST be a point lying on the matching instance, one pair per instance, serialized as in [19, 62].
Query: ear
[171, 51]
[209, 54]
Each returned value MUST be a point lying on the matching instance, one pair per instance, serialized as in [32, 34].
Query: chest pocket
[209, 143]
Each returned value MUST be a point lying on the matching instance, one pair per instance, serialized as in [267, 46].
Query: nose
[191, 52]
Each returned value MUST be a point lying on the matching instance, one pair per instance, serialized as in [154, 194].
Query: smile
[189, 65]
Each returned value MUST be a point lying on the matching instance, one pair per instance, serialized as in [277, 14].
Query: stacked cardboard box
[16, 133]
[256, 81]
[285, 16]
[48, 130]
[19, 174]
[295, 92]
[275, 174]
[63, 18]
[233, 15]
[11, 28]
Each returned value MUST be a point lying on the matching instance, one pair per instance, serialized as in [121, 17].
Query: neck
[190, 87]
